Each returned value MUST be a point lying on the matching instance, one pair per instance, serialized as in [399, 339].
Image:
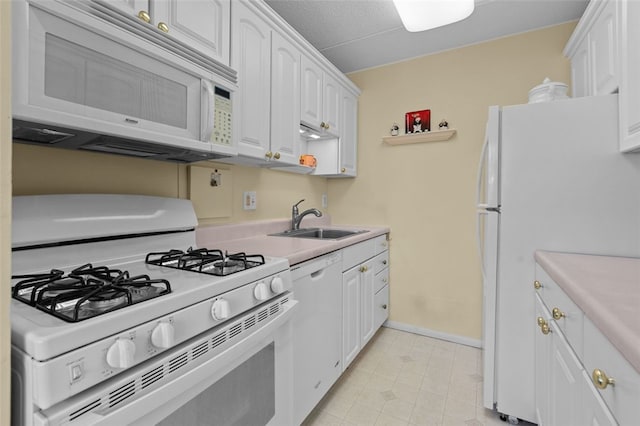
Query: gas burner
[86, 291]
[205, 261]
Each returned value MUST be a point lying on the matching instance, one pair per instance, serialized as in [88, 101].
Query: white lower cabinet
[365, 304]
[568, 351]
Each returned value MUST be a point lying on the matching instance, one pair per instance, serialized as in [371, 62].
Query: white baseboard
[432, 333]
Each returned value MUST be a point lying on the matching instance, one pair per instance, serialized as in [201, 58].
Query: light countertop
[253, 238]
[607, 290]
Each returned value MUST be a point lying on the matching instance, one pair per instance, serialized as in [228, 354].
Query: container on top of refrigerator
[548, 91]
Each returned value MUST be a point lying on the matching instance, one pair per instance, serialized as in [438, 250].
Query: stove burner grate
[86, 292]
[206, 261]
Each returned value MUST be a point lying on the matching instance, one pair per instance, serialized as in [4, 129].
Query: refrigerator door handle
[481, 167]
[479, 214]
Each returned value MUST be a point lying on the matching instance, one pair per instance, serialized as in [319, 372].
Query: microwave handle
[208, 110]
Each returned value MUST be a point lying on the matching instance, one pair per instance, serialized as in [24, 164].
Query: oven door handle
[151, 408]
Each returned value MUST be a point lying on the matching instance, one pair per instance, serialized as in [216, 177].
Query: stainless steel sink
[318, 233]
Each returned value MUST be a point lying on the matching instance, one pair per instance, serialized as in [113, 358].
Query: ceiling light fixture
[421, 15]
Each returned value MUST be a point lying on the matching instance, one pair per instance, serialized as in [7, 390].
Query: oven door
[247, 383]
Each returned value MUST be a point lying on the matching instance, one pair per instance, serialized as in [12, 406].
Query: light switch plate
[325, 201]
[249, 200]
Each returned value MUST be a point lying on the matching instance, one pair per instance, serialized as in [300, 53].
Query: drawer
[382, 243]
[381, 307]
[381, 262]
[570, 319]
[622, 398]
[381, 279]
[358, 253]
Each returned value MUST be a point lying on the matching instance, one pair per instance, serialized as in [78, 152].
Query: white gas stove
[108, 289]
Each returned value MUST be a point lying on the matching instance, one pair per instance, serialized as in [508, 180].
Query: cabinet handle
[276, 155]
[601, 380]
[545, 329]
[269, 154]
[384, 262]
[541, 321]
[144, 15]
[384, 280]
[384, 306]
[163, 27]
[323, 125]
[343, 170]
[557, 314]
[537, 285]
[363, 269]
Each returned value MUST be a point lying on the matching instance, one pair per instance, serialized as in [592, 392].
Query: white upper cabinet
[285, 101]
[629, 99]
[202, 25]
[593, 50]
[349, 139]
[251, 58]
[321, 98]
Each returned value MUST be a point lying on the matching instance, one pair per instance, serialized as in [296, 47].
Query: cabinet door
[285, 100]
[351, 297]
[131, 7]
[564, 381]
[629, 98]
[349, 136]
[603, 50]
[367, 280]
[203, 25]
[580, 71]
[331, 105]
[594, 411]
[311, 96]
[251, 57]
[542, 360]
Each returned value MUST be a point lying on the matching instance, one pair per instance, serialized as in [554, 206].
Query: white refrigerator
[551, 178]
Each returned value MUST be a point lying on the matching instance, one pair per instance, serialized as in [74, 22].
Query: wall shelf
[435, 136]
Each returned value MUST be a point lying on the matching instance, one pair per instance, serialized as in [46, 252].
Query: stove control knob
[120, 353]
[220, 310]
[277, 285]
[261, 291]
[163, 336]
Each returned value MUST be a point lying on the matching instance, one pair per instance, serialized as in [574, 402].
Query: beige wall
[39, 170]
[5, 208]
[426, 192]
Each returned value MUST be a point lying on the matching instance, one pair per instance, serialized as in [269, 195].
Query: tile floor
[401, 379]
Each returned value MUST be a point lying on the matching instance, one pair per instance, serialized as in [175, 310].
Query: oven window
[245, 396]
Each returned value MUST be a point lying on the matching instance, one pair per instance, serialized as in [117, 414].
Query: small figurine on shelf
[443, 125]
[395, 129]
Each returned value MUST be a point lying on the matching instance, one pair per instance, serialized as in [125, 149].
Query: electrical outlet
[325, 202]
[249, 200]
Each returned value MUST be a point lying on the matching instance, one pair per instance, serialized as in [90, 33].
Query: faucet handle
[296, 204]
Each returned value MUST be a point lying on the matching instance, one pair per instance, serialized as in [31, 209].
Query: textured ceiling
[360, 34]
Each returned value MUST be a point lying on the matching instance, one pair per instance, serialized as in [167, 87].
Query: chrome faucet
[297, 218]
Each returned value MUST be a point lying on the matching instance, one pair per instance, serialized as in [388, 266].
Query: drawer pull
[144, 15]
[541, 321]
[163, 27]
[384, 306]
[363, 269]
[384, 262]
[537, 285]
[545, 329]
[557, 314]
[601, 380]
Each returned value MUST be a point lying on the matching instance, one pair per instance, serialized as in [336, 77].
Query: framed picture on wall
[417, 121]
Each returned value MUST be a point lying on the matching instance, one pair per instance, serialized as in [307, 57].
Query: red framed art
[417, 121]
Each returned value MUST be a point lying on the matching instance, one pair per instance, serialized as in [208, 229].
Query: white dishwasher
[317, 330]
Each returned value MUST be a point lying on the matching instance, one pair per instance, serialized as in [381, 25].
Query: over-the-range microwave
[85, 78]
